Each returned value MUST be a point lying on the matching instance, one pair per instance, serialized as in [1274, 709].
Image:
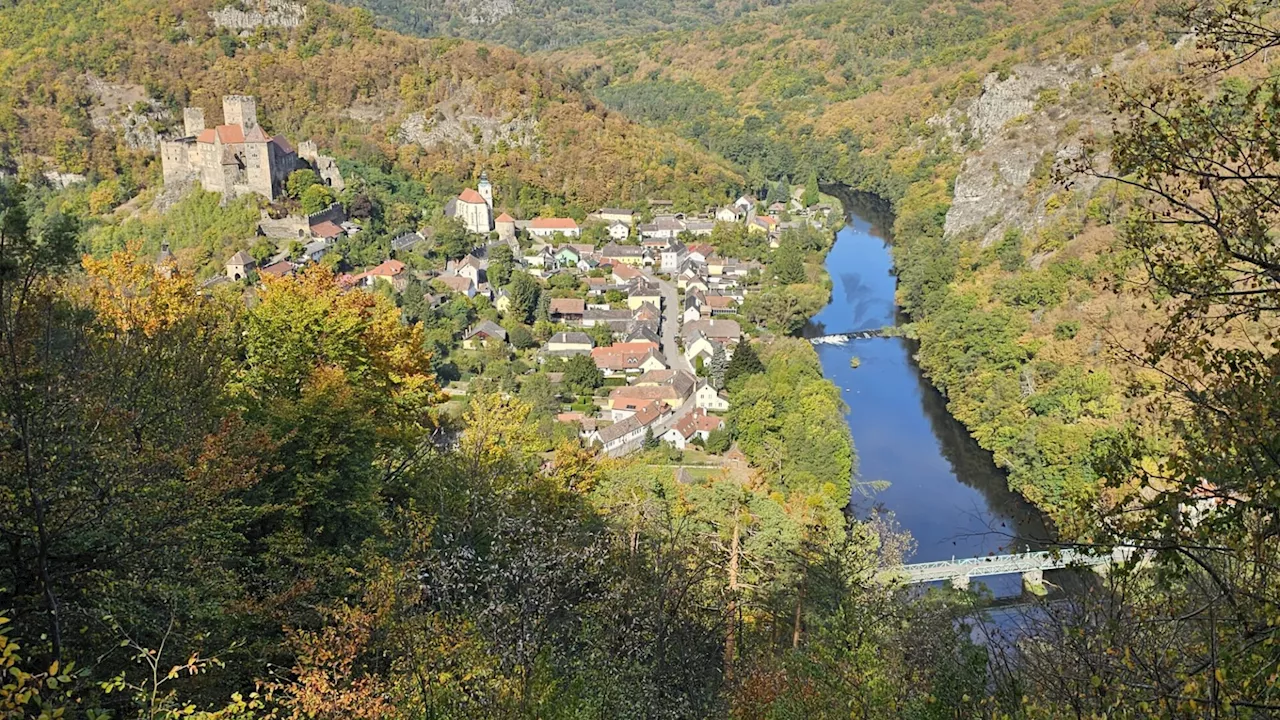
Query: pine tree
[743, 363]
[787, 265]
[650, 442]
[719, 364]
[811, 194]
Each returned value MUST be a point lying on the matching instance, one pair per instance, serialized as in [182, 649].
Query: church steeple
[485, 188]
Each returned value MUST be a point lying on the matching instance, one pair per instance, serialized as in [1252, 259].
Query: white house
[708, 398]
[618, 231]
[672, 256]
[546, 228]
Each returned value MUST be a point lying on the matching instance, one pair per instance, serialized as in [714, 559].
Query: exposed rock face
[270, 13]
[128, 110]
[455, 122]
[484, 12]
[1023, 124]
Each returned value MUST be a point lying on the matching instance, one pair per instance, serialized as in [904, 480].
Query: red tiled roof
[279, 269]
[471, 196]
[390, 268]
[327, 229]
[554, 224]
[456, 283]
[225, 133]
[505, 218]
[626, 272]
[570, 306]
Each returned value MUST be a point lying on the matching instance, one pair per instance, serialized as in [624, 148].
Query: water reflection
[943, 488]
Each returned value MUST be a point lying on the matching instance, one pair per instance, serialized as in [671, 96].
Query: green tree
[315, 198]
[788, 265]
[718, 367]
[525, 294]
[299, 182]
[744, 362]
[501, 263]
[582, 375]
[811, 194]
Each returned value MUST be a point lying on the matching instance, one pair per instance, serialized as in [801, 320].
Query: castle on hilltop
[237, 157]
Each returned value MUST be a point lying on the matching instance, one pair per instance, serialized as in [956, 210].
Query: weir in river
[942, 487]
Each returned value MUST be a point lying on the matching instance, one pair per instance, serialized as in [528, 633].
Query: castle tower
[192, 121]
[485, 189]
[240, 110]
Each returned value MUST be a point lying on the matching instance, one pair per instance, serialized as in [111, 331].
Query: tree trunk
[795, 629]
[731, 611]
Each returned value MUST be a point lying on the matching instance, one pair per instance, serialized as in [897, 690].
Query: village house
[716, 304]
[672, 256]
[389, 271]
[617, 320]
[237, 158]
[567, 310]
[699, 227]
[745, 204]
[406, 242]
[695, 425]
[239, 265]
[722, 331]
[615, 215]
[458, 284]
[640, 293]
[622, 274]
[547, 228]
[502, 301]
[692, 307]
[622, 437]
[706, 397]
[699, 346]
[624, 254]
[618, 231]
[642, 333]
[280, 269]
[470, 267]
[628, 358]
[483, 334]
[700, 252]
[731, 214]
[682, 382]
[566, 256]
[568, 344]
[646, 316]
[626, 399]
[762, 224]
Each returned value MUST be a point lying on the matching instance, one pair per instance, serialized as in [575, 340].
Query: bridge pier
[1033, 582]
[960, 582]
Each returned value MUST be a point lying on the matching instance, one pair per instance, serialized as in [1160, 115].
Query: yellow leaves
[129, 295]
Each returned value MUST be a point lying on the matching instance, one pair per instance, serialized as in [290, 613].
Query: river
[942, 487]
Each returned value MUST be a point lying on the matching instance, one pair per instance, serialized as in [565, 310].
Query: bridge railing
[1007, 564]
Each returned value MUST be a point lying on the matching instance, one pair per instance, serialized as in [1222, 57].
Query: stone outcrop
[1025, 129]
[269, 13]
[455, 122]
[127, 110]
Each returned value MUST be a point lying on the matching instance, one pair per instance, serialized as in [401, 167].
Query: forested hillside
[964, 116]
[75, 75]
[531, 25]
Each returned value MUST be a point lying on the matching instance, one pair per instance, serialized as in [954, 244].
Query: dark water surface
[943, 488]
